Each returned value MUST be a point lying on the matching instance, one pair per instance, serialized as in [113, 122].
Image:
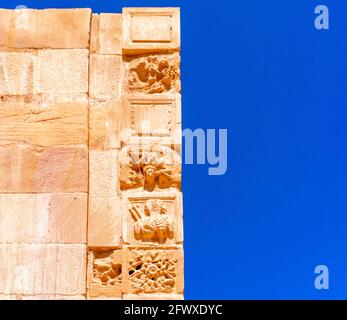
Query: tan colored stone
[40, 269]
[50, 28]
[151, 30]
[153, 297]
[90, 155]
[152, 270]
[153, 218]
[149, 167]
[5, 20]
[106, 35]
[105, 76]
[103, 174]
[104, 222]
[63, 71]
[154, 73]
[32, 169]
[105, 298]
[150, 119]
[17, 73]
[46, 218]
[104, 273]
[110, 33]
[94, 46]
[42, 122]
[41, 297]
[104, 127]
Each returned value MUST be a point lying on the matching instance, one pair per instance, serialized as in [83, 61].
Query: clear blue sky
[261, 70]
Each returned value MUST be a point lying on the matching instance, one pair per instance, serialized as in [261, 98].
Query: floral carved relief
[152, 271]
[155, 74]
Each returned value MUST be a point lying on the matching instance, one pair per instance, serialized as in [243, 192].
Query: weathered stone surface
[103, 174]
[41, 297]
[32, 169]
[106, 34]
[149, 167]
[104, 273]
[94, 46]
[104, 125]
[150, 30]
[105, 76]
[17, 73]
[103, 297]
[152, 270]
[50, 28]
[63, 71]
[154, 73]
[90, 155]
[43, 218]
[44, 121]
[40, 269]
[104, 222]
[153, 297]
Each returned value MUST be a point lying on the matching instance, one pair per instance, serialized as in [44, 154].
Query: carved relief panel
[155, 119]
[104, 273]
[153, 271]
[149, 29]
[149, 167]
[154, 74]
[152, 218]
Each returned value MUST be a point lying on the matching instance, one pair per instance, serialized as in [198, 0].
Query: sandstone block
[17, 73]
[41, 297]
[106, 35]
[94, 46]
[46, 218]
[63, 71]
[44, 121]
[104, 119]
[40, 269]
[32, 169]
[50, 28]
[153, 297]
[105, 76]
[104, 273]
[151, 30]
[103, 174]
[104, 222]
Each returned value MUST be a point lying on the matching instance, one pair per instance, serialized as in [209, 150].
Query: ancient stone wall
[90, 154]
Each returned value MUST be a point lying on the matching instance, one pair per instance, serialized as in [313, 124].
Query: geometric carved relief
[105, 273]
[152, 218]
[150, 30]
[149, 168]
[153, 271]
[151, 119]
[154, 74]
